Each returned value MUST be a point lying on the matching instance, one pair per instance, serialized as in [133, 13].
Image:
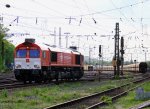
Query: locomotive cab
[27, 60]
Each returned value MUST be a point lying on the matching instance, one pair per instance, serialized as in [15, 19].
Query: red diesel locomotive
[42, 62]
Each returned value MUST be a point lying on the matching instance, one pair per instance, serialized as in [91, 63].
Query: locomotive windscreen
[21, 53]
[34, 53]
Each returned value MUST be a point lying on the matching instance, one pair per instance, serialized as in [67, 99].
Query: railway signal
[100, 55]
[122, 42]
[122, 52]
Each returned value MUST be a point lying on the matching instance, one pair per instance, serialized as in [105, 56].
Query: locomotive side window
[21, 53]
[44, 54]
[34, 53]
[53, 56]
[77, 59]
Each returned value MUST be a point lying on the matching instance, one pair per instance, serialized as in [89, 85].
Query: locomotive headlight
[18, 66]
[36, 66]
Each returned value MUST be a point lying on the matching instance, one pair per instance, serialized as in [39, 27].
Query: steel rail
[16, 85]
[142, 105]
[82, 99]
[113, 98]
[19, 85]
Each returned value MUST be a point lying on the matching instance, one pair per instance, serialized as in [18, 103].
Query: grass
[106, 99]
[40, 97]
[4, 94]
[128, 101]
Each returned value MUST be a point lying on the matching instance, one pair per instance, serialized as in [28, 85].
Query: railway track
[88, 75]
[7, 78]
[21, 85]
[10, 83]
[16, 85]
[94, 101]
[142, 105]
[109, 75]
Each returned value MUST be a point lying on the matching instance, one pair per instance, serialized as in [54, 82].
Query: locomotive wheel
[24, 81]
[72, 75]
[30, 81]
[57, 76]
[45, 80]
[30, 78]
[24, 78]
[49, 80]
[38, 80]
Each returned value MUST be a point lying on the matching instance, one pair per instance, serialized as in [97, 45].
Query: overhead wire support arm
[70, 18]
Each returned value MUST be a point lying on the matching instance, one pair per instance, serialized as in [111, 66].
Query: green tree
[9, 52]
[3, 31]
[6, 49]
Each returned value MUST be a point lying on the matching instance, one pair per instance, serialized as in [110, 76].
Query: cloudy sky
[92, 24]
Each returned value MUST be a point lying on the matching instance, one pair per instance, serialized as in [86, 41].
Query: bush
[106, 99]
